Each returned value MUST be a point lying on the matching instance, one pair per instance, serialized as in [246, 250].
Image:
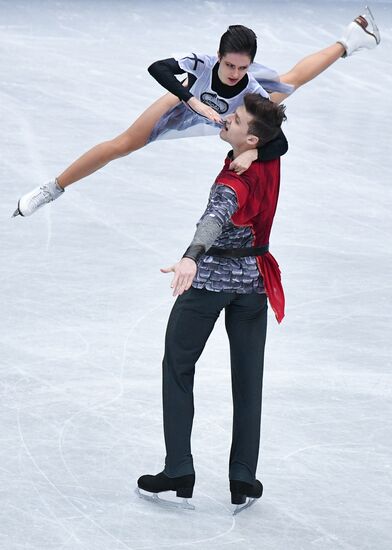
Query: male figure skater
[227, 265]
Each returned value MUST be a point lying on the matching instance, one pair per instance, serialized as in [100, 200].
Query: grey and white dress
[181, 121]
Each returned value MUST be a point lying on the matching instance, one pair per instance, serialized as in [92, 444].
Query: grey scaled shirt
[215, 228]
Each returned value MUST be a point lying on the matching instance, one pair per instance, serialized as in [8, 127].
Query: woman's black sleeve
[275, 148]
[164, 72]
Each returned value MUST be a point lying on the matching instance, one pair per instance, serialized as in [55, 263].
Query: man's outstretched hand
[184, 273]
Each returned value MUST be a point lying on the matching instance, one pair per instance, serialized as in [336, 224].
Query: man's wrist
[194, 252]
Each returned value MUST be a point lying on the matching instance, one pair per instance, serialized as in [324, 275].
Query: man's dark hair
[267, 117]
[238, 39]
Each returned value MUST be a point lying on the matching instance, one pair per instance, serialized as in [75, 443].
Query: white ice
[84, 305]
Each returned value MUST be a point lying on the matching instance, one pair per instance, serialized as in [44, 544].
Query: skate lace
[43, 196]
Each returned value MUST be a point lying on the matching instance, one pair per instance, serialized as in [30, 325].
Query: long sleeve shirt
[215, 228]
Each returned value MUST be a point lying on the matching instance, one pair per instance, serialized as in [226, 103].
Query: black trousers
[190, 323]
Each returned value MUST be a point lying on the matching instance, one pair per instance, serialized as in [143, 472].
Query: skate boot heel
[185, 492]
[237, 498]
[240, 491]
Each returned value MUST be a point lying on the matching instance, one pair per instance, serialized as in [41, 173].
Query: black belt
[236, 252]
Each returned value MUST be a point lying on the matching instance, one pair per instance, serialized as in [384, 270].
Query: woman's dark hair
[238, 39]
[267, 117]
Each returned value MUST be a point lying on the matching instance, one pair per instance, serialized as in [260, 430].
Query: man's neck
[237, 151]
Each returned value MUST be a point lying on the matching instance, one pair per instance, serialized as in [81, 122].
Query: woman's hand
[243, 161]
[185, 271]
[204, 110]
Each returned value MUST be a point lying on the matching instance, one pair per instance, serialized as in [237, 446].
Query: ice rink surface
[84, 305]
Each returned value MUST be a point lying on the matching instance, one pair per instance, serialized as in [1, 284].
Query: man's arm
[221, 206]
[206, 234]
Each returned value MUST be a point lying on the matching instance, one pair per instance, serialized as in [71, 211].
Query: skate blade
[184, 505]
[370, 18]
[241, 507]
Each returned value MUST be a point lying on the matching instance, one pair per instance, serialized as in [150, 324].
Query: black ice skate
[241, 490]
[161, 482]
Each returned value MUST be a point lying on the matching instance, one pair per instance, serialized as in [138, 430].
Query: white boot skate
[361, 34]
[38, 197]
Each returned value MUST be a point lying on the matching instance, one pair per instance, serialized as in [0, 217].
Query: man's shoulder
[237, 183]
[226, 174]
[259, 167]
[256, 176]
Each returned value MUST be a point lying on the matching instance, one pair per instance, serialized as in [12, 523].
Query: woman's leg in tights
[132, 139]
[308, 68]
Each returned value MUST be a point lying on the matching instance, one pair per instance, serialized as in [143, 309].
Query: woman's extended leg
[362, 33]
[308, 68]
[132, 139]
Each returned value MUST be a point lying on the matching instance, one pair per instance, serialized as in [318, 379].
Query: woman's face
[233, 67]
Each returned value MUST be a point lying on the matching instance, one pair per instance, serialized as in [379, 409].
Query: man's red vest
[257, 192]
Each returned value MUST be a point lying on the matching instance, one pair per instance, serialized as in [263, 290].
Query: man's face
[236, 128]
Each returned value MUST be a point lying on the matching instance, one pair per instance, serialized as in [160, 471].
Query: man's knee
[178, 370]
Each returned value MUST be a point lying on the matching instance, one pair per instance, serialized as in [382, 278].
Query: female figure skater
[215, 86]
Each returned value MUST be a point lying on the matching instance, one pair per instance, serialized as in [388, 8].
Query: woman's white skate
[37, 198]
[361, 34]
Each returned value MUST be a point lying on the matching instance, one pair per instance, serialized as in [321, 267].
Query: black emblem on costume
[195, 59]
[212, 100]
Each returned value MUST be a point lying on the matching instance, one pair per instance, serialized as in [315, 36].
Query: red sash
[257, 192]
